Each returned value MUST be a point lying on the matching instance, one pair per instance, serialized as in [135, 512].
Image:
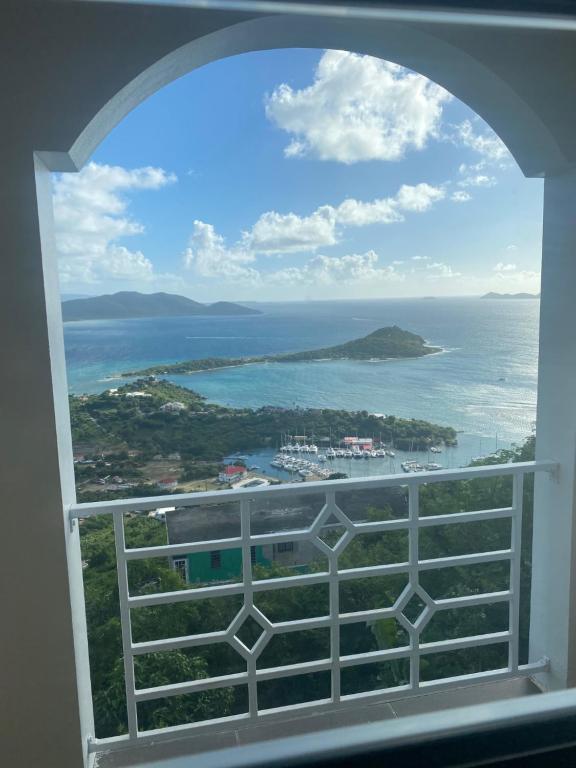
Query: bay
[483, 384]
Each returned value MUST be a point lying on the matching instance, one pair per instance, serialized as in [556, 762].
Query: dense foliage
[208, 432]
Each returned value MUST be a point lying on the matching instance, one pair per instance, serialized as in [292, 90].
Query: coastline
[272, 359]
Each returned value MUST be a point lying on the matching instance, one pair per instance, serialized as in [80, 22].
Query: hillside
[384, 344]
[131, 304]
[493, 295]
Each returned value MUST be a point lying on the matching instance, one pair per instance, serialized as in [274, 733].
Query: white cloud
[277, 233]
[418, 198]
[209, 256]
[437, 270]
[420, 258]
[480, 180]
[460, 196]
[358, 108]
[91, 215]
[337, 270]
[509, 277]
[286, 233]
[388, 210]
[511, 248]
[501, 267]
[486, 144]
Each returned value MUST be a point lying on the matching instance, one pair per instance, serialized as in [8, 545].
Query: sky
[295, 174]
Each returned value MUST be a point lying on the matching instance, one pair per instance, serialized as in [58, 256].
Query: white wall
[70, 71]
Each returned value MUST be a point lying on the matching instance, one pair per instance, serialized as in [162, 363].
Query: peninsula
[383, 344]
[131, 304]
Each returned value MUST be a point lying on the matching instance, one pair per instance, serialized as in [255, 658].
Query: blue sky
[300, 174]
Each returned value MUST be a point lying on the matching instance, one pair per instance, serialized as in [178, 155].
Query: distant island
[493, 295]
[383, 344]
[131, 304]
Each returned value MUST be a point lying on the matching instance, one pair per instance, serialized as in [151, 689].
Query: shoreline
[167, 372]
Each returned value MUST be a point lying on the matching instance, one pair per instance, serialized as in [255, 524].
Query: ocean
[483, 384]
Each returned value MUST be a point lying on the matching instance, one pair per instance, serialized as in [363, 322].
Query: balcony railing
[333, 517]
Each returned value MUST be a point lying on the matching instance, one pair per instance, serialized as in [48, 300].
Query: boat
[330, 453]
[432, 466]
[435, 449]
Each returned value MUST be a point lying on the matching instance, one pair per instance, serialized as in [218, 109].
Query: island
[493, 295]
[132, 304]
[388, 343]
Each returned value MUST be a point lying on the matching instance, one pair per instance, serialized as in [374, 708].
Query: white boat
[432, 466]
[391, 454]
[330, 453]
[435, 449]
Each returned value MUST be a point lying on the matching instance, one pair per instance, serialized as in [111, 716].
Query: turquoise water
[483, 384]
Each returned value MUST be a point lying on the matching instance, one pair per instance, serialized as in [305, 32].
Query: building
[167, 483]
[71, 71]
[173, 407]
[363, 443]
[232, 473]
[135, 394]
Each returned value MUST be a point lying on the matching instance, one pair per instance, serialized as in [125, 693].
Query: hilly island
[383, 344]
[131, 304]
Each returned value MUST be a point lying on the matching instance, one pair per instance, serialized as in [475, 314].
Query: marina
[303, 460]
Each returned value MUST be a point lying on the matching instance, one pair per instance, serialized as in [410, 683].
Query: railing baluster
[248, 600]
[123, 593]
[334, 587]
[413, 557]
[515, 570]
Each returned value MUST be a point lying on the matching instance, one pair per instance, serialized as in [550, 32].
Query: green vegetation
[383, 344]
[132, 424]
[213, 614]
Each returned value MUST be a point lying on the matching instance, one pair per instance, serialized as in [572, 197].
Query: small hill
[493, 295]
[382, 344]
[131, 304]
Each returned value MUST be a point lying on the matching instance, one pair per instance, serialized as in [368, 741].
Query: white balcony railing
[334, 576]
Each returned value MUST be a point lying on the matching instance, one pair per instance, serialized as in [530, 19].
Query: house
[363, 443]
[137, 393]
[167, 483]
[173, 407]
[231, 473]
